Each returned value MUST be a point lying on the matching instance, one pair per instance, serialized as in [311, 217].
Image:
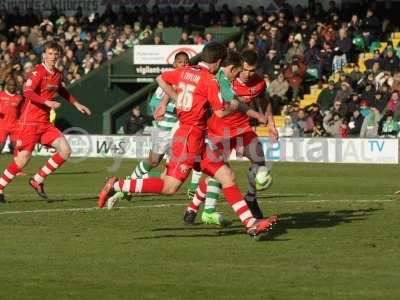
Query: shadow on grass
[54, 200]
[319, 219]
[74, 173]
[287, 221]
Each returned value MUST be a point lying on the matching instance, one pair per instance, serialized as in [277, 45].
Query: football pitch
[338, 238]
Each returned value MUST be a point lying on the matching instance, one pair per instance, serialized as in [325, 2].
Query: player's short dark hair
[234, 59]
[213, 52]
[180, 53]
[51, 45]
[250, 57]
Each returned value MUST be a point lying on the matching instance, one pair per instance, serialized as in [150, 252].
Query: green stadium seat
[221, 33]
[172, 35]
[374, 46]
[359, 43]
[311, 75]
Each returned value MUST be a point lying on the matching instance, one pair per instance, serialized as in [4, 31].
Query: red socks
[199, 197]
[151, 185]
[235, 199]
[9, 174]
[52, 164]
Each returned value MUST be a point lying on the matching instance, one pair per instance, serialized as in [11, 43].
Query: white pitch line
[84, 209]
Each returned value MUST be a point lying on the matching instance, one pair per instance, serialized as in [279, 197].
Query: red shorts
[4, 133]
[187, 149]
[28, 135]
[218, 154]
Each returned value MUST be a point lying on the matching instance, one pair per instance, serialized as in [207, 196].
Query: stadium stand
[357, 48]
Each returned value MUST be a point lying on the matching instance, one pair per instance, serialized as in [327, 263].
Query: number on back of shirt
[185, 96]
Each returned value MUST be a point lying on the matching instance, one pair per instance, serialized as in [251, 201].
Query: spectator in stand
[208, 38]
[355, 124]
[326, 59]
[316, 116]
[294, 74]
[355, 76]
[390, 127]
[353, 104]
[327, 97]
[332, 124]
[304, 123]
[136, 122]
[278, 90]
[232, 47]
[288, 129]
[158, 40]
[371, 26]
[339, 61]
[344, 93]
[186, 39]
[380, 102]
[271, 63]
[376, 59]
[390, 62]
[344, 43]
[312, 56]
[338, 108]
[296, 50]
[274, 41]
[394, 101]
[370, 124]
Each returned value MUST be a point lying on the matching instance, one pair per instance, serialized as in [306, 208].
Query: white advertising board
[161, 54]
[313, 150]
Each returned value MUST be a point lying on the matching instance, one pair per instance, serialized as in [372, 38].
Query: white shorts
[161, 140]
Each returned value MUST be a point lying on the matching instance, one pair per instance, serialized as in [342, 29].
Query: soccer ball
[263, 179]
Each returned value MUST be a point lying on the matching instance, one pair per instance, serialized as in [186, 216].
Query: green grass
[338, 238]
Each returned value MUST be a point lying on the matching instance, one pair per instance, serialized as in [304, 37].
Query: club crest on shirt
[184, 168]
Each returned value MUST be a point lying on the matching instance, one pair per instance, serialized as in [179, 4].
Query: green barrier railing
[119, 108]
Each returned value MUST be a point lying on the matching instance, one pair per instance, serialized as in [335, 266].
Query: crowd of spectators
[296, 45]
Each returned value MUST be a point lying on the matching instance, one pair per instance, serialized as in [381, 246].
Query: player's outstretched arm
[271, 123]
[82, 108]
[167, 88]
[245, 109]
[161, 108]
[63, 92]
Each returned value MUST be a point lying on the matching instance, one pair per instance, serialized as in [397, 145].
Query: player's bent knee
[225, 176]
[171, 185]
[22, 158]
[169, 190]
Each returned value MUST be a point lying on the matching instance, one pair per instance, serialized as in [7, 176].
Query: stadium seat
[172, 35]
[383, 47]
[395, 42]
[359, 43]
[262, 131]
[374, 46]
[221, 33]
[396, 35]
[279, 121]
[311, 75]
